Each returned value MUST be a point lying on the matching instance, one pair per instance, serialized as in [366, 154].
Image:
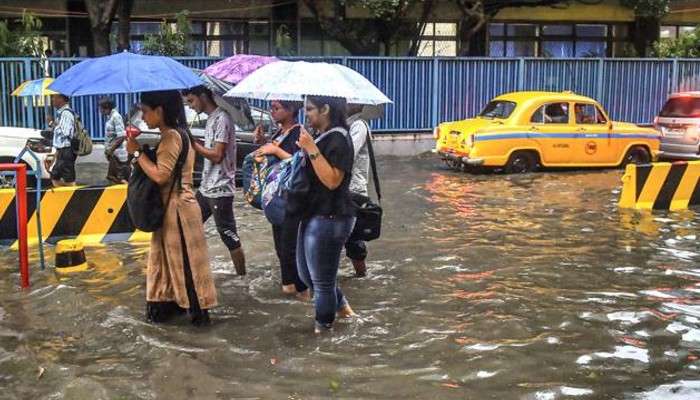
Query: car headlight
[38, 145]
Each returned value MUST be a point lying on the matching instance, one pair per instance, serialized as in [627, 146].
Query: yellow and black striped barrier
[661, 186]
[91, 213]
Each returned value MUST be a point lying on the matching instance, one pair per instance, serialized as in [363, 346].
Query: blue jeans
[321, 239]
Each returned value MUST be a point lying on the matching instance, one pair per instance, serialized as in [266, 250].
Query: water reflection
[489, 286]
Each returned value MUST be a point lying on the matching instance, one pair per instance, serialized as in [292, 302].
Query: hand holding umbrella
[306, 142]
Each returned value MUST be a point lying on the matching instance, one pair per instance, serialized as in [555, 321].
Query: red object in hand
[132, 131]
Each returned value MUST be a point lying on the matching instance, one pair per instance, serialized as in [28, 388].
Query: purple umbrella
[235, 68]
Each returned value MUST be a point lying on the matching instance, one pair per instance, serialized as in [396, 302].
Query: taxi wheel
[521, 162]
[453, 164]
[636, 155]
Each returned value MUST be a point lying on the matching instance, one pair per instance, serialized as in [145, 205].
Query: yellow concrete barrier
[92, 214]
[661, 186]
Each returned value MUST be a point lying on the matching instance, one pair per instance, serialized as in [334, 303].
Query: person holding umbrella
[215, 195]
[329, 219]
[178, 274]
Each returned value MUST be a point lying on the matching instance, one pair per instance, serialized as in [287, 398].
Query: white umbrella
[294, 80]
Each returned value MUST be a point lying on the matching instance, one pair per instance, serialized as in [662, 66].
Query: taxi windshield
[498, 109]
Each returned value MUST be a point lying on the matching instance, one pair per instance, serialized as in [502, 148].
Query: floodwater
[482, 287]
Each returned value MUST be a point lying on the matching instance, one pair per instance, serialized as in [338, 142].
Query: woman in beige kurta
[178, 275]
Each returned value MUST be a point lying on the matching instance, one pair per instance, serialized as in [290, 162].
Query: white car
[679, 124]
[14, 140]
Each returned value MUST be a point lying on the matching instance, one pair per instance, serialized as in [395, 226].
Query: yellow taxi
[522, 131]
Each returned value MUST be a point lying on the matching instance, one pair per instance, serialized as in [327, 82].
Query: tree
[101, 14]
[379, 33]
[171, 40]
[23, 39]
[685, 46]
[124, 13]
[648, 14]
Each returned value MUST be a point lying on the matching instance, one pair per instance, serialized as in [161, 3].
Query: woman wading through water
[283, 144]
[178, 275]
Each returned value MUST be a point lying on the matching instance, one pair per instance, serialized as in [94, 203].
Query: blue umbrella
[124, 73]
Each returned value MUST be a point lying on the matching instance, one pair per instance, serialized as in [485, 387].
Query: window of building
[555, 40]
[674, 31]
[438, 39]
[513, 40]
[208, 38]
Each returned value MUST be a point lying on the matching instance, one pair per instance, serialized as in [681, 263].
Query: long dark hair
[173, 108]
[337, 109]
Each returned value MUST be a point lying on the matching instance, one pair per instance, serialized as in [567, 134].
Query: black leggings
[285, 237]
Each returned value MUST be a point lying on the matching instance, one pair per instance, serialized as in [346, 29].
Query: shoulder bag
[368, 225]
[143, 199]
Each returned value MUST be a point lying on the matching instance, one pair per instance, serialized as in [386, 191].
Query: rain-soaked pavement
[490, 286]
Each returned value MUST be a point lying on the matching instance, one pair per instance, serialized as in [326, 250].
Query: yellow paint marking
[653, 185]
[629, 182]
[140, 236]
[103, 214]
[52, 205]
[686, 187]
[6, 197]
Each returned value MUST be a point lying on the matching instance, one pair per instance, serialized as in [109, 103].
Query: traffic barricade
[661, 186]
[93, 214]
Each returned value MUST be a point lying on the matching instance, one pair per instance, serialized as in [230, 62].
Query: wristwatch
[135, 156]
[314, 156]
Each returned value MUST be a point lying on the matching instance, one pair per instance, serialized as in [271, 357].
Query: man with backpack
[63, 171]
[215, 195]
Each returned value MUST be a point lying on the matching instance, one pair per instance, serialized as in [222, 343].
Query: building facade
[288, 28]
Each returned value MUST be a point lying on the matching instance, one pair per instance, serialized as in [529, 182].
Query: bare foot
[305, 295]
[346, 312]
[289, 289]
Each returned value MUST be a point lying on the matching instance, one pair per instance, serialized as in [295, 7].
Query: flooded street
[482, 287]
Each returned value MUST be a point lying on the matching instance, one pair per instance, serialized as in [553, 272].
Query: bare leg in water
[238, 258]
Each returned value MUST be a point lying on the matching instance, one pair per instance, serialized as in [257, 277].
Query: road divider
[93, 214]
[661, 186]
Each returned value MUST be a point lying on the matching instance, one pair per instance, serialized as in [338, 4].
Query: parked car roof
[11, 131]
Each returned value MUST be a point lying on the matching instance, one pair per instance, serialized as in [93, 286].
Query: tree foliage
[648, 8]
[387, 23]
[685, 46]
[172, 40]
[23, 39]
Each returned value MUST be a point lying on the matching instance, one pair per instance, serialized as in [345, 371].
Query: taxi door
[551, 130]
[594, 143]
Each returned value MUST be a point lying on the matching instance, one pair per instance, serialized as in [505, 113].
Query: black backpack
[143, 200]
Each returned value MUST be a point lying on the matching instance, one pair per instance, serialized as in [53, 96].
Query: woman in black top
[283, 144]
[329, 219]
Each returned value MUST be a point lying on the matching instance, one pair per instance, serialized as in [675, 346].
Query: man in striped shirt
[63, 171]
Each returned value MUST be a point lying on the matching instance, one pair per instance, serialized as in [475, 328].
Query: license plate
[675, 132]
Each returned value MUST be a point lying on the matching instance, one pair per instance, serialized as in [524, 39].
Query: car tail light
[436, 133]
